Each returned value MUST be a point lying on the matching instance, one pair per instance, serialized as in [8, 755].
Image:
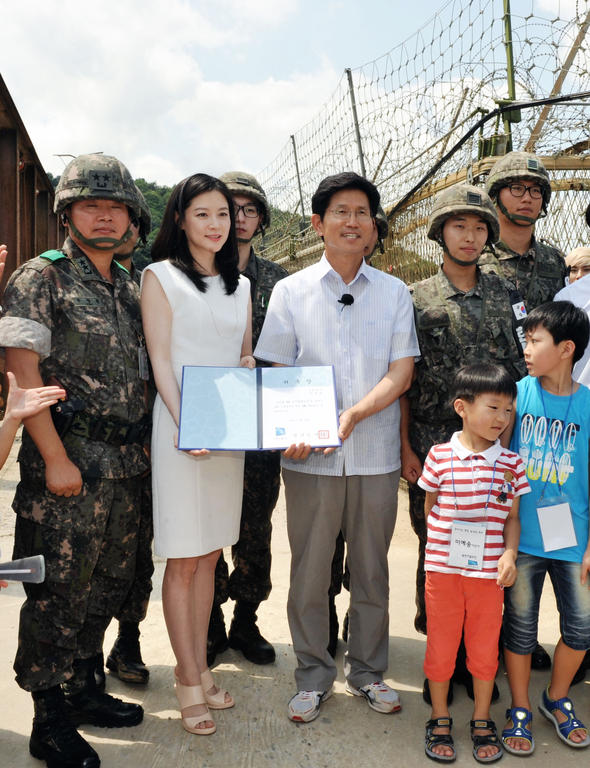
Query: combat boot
[85, 704]
[245, 636]
[125, 660]
[333, 636]
[99, 673]
[216, 635]
[54, 738]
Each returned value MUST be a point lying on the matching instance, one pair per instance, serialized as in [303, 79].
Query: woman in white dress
[196, 311]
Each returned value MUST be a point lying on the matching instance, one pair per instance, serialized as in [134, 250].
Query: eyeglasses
[250, 210]
[344, 214]
[519, 190]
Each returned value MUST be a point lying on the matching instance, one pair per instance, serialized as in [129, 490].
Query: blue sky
[191, 85]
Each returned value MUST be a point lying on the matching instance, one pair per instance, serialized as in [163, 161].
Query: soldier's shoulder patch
[41, 263]
[52, 255]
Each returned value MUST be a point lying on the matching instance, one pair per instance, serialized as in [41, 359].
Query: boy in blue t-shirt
[551, 434]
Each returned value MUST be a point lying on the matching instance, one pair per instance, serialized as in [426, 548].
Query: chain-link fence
[395, 118]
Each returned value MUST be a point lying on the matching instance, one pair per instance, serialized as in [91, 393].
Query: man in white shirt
[342, 312]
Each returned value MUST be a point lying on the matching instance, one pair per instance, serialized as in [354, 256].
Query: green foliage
[156, 197]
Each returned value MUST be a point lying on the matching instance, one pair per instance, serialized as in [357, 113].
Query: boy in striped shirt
[472, 487]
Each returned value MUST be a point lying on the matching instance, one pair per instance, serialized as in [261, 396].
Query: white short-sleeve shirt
[306, 325]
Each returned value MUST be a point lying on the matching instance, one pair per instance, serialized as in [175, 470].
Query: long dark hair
[171, 242]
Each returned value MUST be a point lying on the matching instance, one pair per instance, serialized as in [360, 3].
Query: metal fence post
[356, 123]
[302, 224]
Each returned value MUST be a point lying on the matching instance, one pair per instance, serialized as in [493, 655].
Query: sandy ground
[257, 732]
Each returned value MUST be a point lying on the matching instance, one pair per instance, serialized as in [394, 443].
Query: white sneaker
[305, 705]
[380, 696]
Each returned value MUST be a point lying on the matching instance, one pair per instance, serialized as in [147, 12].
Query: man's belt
[110, 431]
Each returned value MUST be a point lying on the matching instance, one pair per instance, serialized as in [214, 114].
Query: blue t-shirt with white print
[551, 434]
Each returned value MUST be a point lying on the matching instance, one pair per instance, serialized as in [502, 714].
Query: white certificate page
[299, 406]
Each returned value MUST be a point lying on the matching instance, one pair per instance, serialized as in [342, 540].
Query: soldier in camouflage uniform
[125, 660]
[463, 315]
[520, 188]
[72, 317]
[519, 185]
[249, 583]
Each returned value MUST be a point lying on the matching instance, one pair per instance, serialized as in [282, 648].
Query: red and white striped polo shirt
[493, 477]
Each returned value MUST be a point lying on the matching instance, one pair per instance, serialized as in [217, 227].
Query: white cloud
[125, 78]
[566, 9]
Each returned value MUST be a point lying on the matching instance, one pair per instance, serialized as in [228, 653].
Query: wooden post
[9, 208]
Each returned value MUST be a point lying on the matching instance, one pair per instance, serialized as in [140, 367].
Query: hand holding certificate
[261, 409]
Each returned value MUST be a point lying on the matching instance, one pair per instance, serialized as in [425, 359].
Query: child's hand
[585, 575]
[247, 361]
[23, 403]
[506, 570]
[3, 256]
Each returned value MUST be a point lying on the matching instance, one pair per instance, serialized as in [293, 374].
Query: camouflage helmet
[381, 223]
[516, 166]
[240, 183]
[96, 176]
[145, 216]
[463, 198]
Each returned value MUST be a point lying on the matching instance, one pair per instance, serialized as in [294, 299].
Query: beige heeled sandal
[188, 696]
[215, 700]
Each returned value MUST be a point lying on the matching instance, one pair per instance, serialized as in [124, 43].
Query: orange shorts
[457, 605]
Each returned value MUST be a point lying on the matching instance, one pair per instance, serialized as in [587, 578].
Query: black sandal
[485, 740]
[439, 739]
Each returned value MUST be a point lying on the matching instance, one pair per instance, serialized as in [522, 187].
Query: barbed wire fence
[395, 118]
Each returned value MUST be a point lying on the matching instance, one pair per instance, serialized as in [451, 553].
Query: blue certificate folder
[234, 409]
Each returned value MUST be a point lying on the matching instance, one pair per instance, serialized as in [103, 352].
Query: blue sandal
[565, 705]
[521, 718]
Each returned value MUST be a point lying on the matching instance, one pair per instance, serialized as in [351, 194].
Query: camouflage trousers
[340, 574]
[250, 578]
[89, 542]
[135, 606]
[417, 498]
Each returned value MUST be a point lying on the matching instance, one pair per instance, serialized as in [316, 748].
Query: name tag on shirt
[557, 526]
[467, 545]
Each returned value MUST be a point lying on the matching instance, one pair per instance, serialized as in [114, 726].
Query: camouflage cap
[516, 166]
[463, 198]
[145, 216]
[241, 183]
[382, 223]
[96, 176]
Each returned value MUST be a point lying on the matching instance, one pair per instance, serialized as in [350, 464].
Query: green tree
[156, 197]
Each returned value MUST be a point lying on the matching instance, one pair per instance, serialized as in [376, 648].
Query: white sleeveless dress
[197, 501]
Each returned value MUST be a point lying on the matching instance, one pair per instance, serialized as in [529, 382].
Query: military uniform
[88, 335]
[250, 579]
[537, 274]
[454, 328]
[135, 607]
[540, 272]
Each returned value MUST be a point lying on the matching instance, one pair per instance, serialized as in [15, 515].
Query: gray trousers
[364, 507]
